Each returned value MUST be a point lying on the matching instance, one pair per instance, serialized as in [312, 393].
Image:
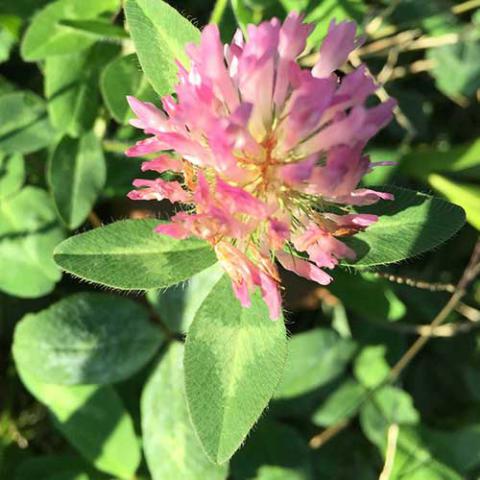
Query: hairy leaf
[86, 338]
[130, 255]
[411, 224]
[160, 34]
[234, 359]
[171, 447]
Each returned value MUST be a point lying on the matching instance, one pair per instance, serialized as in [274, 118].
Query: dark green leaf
[411, 224]
[273, 451]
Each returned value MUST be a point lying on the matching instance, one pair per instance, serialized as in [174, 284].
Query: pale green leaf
[389, 405]
[327, 10]
[178, 305]
[422, 161]
[160, 35]
[130, 255]
[467, 195]
[24, 124]
[314, 358]
[342, 404]
[371, 367]
[12, 174]
[28, 234]
[86, 338]
[121, 77]
[463, 58]
[411, 224]
[94, 420]
[73, 93]
[76, 174]
[234, 359]
[46, 36]
[171, 447]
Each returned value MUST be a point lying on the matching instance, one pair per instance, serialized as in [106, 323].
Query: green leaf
[371, 367]
[9, 35]
[178, 305]
[327, 10]
[388, 406]
[73, 92]
[414, 460]
[94, 421]
[463, 58]
[120, 78]
[24, 125]
[458, 448]
[314, 358]
[467, 195]
[100, 29]
[342, 404]
[86, 338]
[160, 34]
[411, 224]
[12, 174]
[46, 36]
[234, 358]
[28, 235]
[76, 174]
[273, 452]
[171, 447]
[422, 161]
[368, 296]
[130, 255]
[55, 467]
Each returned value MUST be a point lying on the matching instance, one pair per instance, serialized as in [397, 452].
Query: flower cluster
[265, 156]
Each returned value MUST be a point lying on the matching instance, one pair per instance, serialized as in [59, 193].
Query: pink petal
[303, 268]
[336, 48]
[158, 190]
[163, 164]
[271, 295]
[173, 230]
[149, 116]
[364, 196]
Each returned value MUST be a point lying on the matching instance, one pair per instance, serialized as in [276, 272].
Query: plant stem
[470, 272]
[218, 11]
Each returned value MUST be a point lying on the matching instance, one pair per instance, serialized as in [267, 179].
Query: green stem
[218, 11]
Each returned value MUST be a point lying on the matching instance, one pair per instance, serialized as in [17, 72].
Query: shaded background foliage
[65, 69]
